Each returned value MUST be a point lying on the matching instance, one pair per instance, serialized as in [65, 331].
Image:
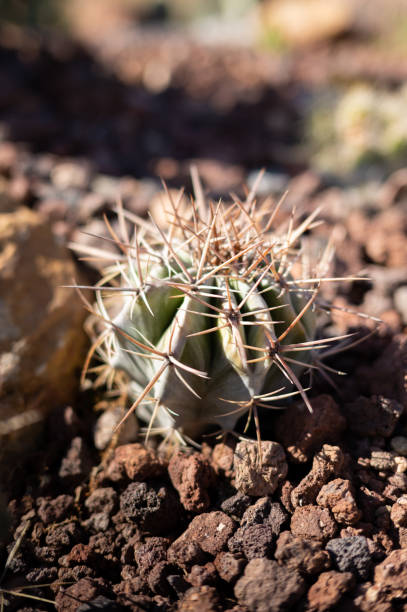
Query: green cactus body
[208, 321]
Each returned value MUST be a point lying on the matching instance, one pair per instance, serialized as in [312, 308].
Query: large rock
[42, 342]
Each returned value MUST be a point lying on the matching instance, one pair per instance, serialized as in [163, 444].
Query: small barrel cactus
[204, 320]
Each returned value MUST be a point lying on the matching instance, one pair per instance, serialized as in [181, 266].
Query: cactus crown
[204, 320]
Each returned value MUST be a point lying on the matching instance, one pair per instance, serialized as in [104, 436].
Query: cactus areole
[203, 320]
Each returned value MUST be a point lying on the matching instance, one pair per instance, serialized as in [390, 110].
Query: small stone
[266, 512]
[398, 512]
[375, 416]
[154, 508]
[326, 464]
[202, 574]
[222, 457]
[70, 174]
[306, 556]
[302, 432]
[391, 575]
[135, 462]
[328, 590]
[186, 554]
[102, 500]
[105, 427]
[399, 445]
[253, 478]
[236, 505]
[147, 555]
[77, 463]
[54, 510]
[229, 566]
[86, 589]
[351, 555]
[191, 475]
[204, 599]
[210, 530]
[257, 541]
[382, 461]
[338, 496]
[81, 554]
[157, 578]
[313, 523]
[268, 587]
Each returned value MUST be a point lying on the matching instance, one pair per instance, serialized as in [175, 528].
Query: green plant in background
[358, 127]
[204, 320]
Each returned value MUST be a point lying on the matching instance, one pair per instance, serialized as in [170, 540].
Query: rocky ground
[96, 525]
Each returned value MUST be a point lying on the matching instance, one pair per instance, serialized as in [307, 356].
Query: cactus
[204, 320]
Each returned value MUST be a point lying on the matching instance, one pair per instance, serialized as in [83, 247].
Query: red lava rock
[204, 599]
[285, 498]
[77, 463]
[326, 464]
[155, 509]
[153, 551]
[63, 535]
[257, 541]
[186, 553]
[306, 556]
[157, 578]
[390, 576]
[222, 457]
[254, 479]
[375, 416]
[313, 523]
[191, 475]
[338, 496]
[210, 530]
[136, 462]
[328, 590]
[229, 566]
[202, 574]
[81, 554]
[54, 510]
[268, 587]
[302, 432]
[102, 500]
[264, 511]
[85, 590]
[398, 512]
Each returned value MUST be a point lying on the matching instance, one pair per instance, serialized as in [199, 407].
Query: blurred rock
[41, 339]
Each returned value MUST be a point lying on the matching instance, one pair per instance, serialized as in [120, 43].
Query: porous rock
[351, 555]
[398, 512]
[211, 530]
[191, 475]
[326, 464]
[306, 556]
[154, 508]
[313, 523]
[257, 475]
[338, 496]
[328, 590]
[268, 587]
[135, 462]
[390, 576]
[302, 432]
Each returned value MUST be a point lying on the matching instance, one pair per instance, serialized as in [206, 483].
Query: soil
[120, 526]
